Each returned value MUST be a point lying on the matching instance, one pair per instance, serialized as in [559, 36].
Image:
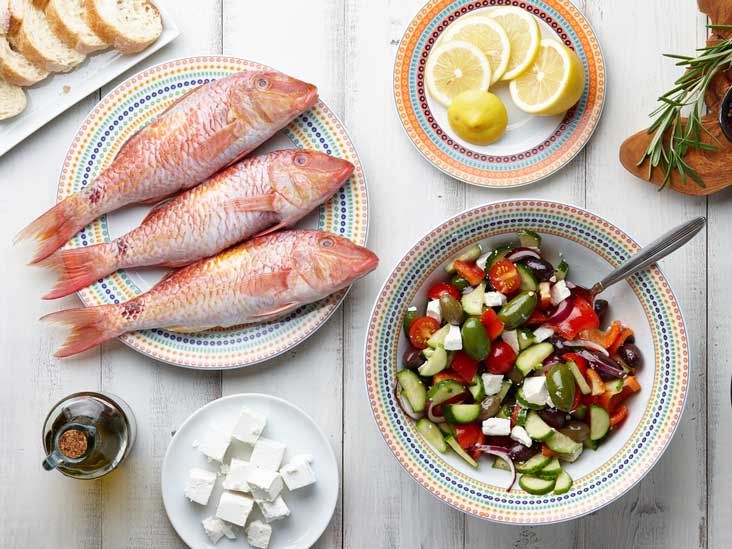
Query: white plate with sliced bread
[53, 53]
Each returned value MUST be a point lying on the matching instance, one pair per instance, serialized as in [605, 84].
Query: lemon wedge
[455, 67]
[523, 35]
[554, 82]
[488, 36]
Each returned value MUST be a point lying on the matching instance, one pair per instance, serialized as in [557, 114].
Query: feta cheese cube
[543, 333]
[494, 299]
[264, 484]
[434, 310]
[510, 338]
[200, 485]
[268, 454]
[298, 472]
[215, 444]
[249, 426]
[216, 528]
[258, 534]
[497, 426]
[482, 260]
[453, 339]
[492, 383]
[236, 478]
[535, 391]
[274, 510]
[234, 508]
[560, 292]
[519, 434]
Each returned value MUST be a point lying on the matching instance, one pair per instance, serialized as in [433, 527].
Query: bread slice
[37, 42]
[40, 4]
[129, 25]
[12, 100]
[17, 9]
[16, 69]
[67, 19]
[4, 17]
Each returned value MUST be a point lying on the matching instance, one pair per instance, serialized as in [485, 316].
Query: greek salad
[513, 360]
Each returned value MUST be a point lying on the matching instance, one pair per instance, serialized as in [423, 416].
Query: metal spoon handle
[656, 250]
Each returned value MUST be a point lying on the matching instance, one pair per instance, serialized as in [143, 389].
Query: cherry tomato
[582, 317]
[493, 324]
[421, 330]
[464, 365]
[505, 277]
[447, 374]
[443, 287]
[469, 271]
[468, 435]
[501, 358]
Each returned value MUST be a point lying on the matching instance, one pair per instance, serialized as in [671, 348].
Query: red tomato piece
[421, 330]
[505, 277]
[579, 361]
[468, 435]
[537, 318]
[443, 288]
[475, 454]
[501, 358]
[469, 271]
[493, 324]
[446, 374]
[514, 414]
[464, 365]
[582, 317]
[545, 450]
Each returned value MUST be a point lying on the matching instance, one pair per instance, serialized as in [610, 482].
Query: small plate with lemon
[499, 93]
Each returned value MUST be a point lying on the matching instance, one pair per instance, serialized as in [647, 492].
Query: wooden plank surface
[347, 47]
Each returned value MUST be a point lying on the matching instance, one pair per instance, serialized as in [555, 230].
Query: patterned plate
[533, 147]
[132, 105]
[592, 246]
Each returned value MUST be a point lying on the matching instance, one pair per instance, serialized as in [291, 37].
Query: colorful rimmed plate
[592, 246]
[533, 147]
[129, 107]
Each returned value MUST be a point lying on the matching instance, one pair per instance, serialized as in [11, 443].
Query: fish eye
[301, 160]
[262, 83]
[326, 243]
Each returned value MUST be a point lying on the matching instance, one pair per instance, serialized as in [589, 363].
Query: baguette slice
[17, 9]
[129, 25]
[4, 17]
[37, 43]
[40, 4]
[16, 69]
[12, 100]
[67, 19]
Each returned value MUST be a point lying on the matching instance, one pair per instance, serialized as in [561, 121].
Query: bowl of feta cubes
[249, 467]
[504, 386]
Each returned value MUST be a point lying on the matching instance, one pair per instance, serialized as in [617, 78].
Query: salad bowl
[592, 246]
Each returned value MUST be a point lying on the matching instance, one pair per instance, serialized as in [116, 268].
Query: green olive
[475, 339]
[459, 282]
[518, 310]
[561, 386]
[451, 309]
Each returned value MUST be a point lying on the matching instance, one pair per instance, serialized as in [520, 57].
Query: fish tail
[55, 227]
[78, 268]
[89, 327]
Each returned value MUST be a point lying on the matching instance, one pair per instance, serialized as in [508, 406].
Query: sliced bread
[40, 4]
[16, 69]
[12, 100]
[4, 17]
[17, 9]
[37, 42]
[67, 19]
[129, 25]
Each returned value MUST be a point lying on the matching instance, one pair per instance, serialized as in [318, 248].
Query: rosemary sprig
[671, 139]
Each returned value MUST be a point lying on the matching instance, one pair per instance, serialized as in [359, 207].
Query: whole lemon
[478, 117]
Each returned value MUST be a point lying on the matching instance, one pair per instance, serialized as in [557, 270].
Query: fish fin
[89, 326]
[272, 229]
[78, 268]
[261, 203]
[274, 312]
[155, 209]
[188, 329]
[221, 140]
[269, 282]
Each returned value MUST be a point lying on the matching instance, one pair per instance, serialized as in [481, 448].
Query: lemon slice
[523, 35]
[488, 36]
[455, 67]
[554, 82]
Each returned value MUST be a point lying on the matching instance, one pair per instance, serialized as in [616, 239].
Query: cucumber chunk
[473, 302]
[435, 363]
[529, 239]
[444, 390]
[505, 388]
[477, 389]
[614, 386]
[551, 470]
[584, 387]
[471, 254]
[496, 255]
[461, 413]
[532, 358]
[573, 456]
[438, 338]
[535, 485]
[501, 464]
[525, 338]
[563, 483]
[537, 428]
[562, 269]
[562, 444]
[447, 428]
[432, 433]
[452, 443]
[528, 280]
[599, 422]
[533, 464]
[522, 416]
[413, 389]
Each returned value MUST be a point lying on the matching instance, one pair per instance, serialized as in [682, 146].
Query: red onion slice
[502, 453]
[587, 345]
[432, 416]
[562, 311]
[605, 365]
[522, 253]
[404, 404]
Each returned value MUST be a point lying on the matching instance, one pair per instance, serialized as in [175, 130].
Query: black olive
[519, 452]
[553, 417]
[601, 307]
[631, 355]
[542, 269]
[412, 358]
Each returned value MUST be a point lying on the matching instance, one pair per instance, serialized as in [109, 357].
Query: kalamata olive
[452, 311]
[553, 417]
[601, 307]
[515, 375]
[489, 407]
[412, 358]
[519, 452]
[576, 430]
[631, 355]
[542, 269]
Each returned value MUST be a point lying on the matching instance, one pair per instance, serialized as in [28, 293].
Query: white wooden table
[347, 47]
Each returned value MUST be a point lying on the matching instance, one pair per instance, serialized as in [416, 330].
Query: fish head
[303, 179]
[272, 97]
[328, 262]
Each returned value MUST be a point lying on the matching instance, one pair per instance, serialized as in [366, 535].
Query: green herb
[671, 139]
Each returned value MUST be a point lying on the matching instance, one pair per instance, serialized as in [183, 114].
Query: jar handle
[53, 460]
